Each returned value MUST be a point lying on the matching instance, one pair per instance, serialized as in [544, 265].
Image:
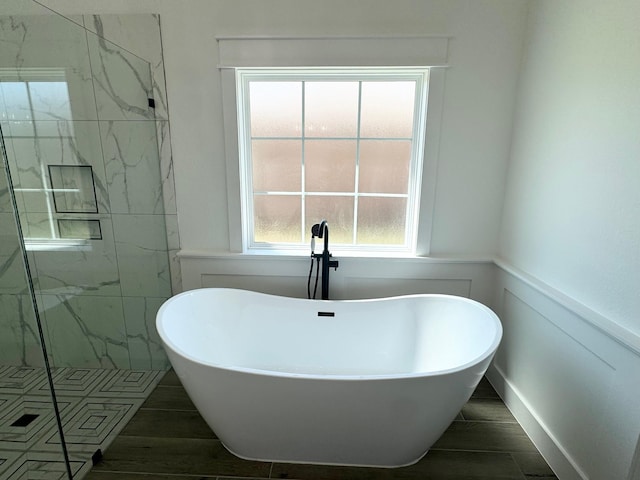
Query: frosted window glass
[330, 165]
[334, 144]
[277, 218]
[276, 109]
[387, 109]
[381, 221]
[331, 109]
[277, 165]
[336, 210]
[384, 166]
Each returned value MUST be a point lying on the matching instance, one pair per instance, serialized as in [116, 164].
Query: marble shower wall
[19, 339]
[91, 164]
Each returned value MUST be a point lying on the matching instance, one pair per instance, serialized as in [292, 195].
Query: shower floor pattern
[95, 405]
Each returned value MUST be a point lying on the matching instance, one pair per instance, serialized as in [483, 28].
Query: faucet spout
[324, 234]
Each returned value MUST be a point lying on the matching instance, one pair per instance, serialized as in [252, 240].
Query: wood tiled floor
[168, 440]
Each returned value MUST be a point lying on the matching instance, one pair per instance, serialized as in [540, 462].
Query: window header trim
[365, 51]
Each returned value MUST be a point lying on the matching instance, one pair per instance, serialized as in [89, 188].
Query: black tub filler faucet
[321, 230]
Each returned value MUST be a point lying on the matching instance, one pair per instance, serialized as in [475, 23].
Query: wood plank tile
[461, 465]
[168, 440]
[487, 410]
[182, 456]
[485, 436]
[170, 379]
[436, 465]
[534, 466]
[484, 390]
[169, 398]
[170, 423]
[93, 475]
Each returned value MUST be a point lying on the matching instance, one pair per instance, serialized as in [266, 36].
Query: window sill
[296, 255]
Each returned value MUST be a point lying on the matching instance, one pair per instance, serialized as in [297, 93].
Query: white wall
[478, 105]
[567, 288]
[484, 53]
[572, 207]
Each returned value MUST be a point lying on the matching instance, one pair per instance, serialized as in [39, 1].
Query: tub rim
[169, 344]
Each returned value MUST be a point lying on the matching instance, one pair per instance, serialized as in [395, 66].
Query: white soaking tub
[351, 382]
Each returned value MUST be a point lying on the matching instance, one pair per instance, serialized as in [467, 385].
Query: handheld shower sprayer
[321, 230]
[314, 233]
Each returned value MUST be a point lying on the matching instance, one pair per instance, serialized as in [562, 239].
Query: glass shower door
[82, 150]
[29, 417]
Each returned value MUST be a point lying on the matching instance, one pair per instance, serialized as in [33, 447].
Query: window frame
[234, 51]
[419, 75]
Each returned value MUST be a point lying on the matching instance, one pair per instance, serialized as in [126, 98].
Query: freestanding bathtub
[353, 382]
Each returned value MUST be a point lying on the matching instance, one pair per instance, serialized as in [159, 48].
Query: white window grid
[419, 75]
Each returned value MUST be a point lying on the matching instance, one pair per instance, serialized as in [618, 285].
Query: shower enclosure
[87, 234]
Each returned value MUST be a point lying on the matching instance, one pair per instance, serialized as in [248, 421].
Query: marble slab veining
[34, 146]
[141, 245]
[65, 57]
[140, 35]
[131, 162]
[91, 269]
[87, 331]
[121, 80]
[67, 131]
[20, 340]
[145, 347]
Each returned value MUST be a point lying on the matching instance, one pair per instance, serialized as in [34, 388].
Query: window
[341, 144]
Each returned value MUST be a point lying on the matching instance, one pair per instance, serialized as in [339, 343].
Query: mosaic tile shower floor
[95, 405]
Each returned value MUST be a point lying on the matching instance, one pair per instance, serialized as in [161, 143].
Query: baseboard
[562, 464]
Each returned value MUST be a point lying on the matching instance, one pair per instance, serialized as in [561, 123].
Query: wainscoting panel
[290, 286]
[355, 277]
[356, 287]
[572, 384]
